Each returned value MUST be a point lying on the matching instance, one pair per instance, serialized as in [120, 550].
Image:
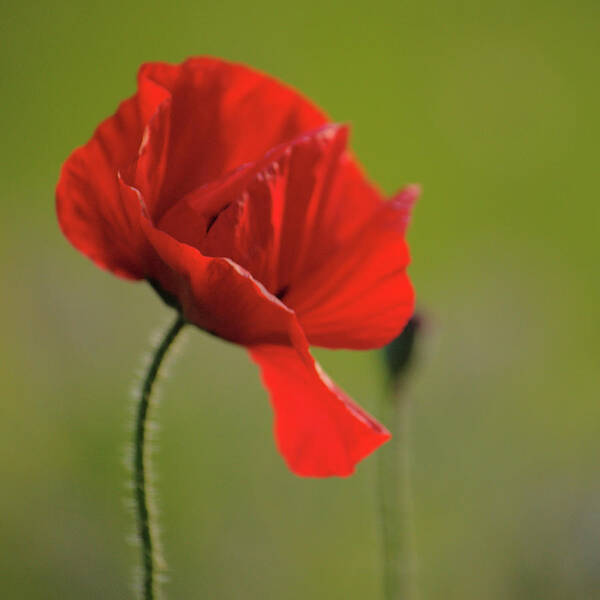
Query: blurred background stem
[395, 499]
[394, 473]
[141, 460]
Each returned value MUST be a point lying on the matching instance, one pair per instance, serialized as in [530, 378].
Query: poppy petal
[266, 226]
[215, 293]
[361, 297]
[147, 172]
[261, 214]
[318, 429]
[94, 214]
[311, 171]
[243, 114]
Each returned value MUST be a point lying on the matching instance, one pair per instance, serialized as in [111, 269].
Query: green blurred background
[493, 108]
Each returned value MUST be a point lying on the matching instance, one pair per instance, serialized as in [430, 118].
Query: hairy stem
[140, 460]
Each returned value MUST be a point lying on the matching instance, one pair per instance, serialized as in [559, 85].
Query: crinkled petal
[216, 294]
[263, 214]
[224, 115]
[148, 170]
[267, 225]
[361, 296]
[350, 202]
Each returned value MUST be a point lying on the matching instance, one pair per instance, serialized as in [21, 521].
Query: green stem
[395, 498]
[140, 460]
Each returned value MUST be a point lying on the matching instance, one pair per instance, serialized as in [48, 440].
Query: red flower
[238, 201]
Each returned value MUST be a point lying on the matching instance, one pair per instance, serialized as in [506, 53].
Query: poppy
[237, 199]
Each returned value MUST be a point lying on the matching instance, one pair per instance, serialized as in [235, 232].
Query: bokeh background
[491, 106]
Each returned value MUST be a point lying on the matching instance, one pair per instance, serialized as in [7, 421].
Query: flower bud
[398, 354]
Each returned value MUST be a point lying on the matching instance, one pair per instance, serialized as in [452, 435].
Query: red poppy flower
[237, 200]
